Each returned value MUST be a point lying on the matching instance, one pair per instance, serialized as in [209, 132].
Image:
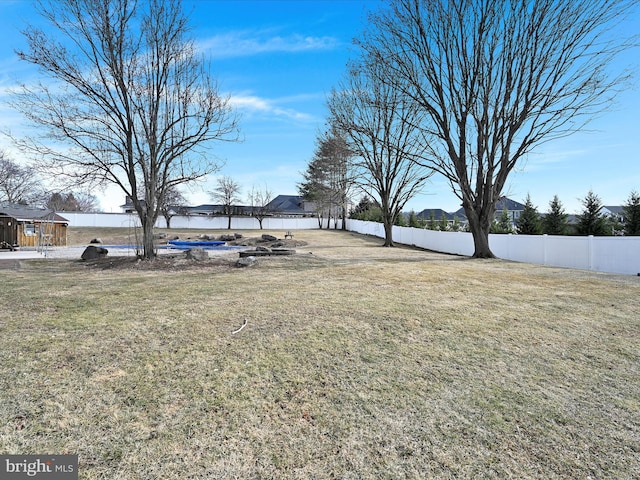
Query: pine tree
[591, 221]
[632, 214]
[528, 223]
[555, 221]
[444, 224]
[358, 212]
[503, 224]
[455, 227]
[431, 225]
[414, 221]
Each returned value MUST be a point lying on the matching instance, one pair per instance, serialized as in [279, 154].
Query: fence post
[590, 251]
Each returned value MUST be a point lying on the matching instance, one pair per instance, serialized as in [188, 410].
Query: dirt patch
[160, 263]
[9, 264]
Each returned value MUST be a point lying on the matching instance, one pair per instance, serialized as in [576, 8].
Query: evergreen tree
[455, 227]
[632, 214]
[555, 221]
[528, 223]
[591, 221]
[444, 224]
[414, 221]
[431, 225]
[359, 210]
[503, 224]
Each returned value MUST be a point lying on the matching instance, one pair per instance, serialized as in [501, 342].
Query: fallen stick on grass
[243, 325]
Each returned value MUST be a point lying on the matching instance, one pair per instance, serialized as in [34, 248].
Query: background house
[289, 205]
[25, 226]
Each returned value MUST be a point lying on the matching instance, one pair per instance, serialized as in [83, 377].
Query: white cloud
[246, 43]
[254, 104]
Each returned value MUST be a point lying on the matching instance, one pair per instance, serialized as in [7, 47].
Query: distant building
[615, 211]
[513, 208]
[282, 205]
[23, 226]
[289, 205]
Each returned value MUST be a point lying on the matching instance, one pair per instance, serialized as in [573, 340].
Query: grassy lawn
[355, 362]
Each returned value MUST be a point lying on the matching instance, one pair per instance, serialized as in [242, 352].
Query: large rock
[269, 238]
[92, 252]
[198, 254]
[246, 261]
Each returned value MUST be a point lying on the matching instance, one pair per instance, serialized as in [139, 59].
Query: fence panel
[616, 254]
[602, 254]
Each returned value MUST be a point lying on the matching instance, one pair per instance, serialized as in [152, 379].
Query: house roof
[27, 213]
[509, 204]
[614, 209]
[211, 209]
[504, 202]
[291, 204]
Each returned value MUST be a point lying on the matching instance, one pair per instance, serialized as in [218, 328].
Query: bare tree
[227, 192]
[18, 184]
[87, 202]
[496, 79]
[259, 200]
[128, 100]
[72, 202]
[382, 127]
[172, 204]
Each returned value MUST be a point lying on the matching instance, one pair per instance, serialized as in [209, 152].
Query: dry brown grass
[356, 362]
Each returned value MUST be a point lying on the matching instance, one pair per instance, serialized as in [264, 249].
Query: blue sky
[279, 59]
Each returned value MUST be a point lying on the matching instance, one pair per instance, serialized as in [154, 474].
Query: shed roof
[27, 213]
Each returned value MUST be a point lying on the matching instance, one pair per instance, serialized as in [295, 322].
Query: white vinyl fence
[78, 219]
[601, 254]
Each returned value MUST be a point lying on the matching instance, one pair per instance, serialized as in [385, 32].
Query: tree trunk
[388, 234]
[480, 230]
[148, 250]
[229, 224]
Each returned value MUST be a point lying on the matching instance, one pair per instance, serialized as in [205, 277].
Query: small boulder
[227, 238]
[260, 248]
[92, 252]
[237, 235]
[198, 254]
[95, 240]
[278, 244]
[246, 261]
[269, 238]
